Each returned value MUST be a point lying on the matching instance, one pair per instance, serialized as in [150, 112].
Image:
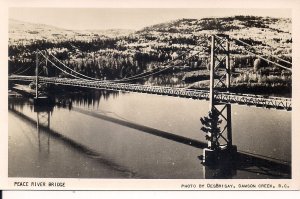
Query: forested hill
[270, 34]
[223, 24]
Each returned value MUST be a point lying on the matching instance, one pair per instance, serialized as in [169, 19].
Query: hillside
[267, 34]
[25, 33]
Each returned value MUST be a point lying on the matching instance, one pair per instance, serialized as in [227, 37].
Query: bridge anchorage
[218, 131]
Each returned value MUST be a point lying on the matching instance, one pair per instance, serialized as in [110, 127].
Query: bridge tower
[36, 75]
[39, 99]
[218, 125]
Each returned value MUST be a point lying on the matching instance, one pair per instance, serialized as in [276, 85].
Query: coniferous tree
[211, 128]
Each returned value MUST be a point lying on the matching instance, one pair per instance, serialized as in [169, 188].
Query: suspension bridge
[223, 97]
[81, 80]
[219, 102]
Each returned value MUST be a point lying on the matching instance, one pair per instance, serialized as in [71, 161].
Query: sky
[126, 18]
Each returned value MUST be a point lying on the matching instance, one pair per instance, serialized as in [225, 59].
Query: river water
[134, 135]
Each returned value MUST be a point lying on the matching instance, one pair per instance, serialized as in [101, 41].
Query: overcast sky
[136, 18]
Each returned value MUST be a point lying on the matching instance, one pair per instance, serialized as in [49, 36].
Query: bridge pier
[225, 167]
[41, 101]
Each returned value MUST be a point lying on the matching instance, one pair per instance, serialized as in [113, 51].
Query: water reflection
[43, 118]
[173, 79]
[45, 134]
[80, 98]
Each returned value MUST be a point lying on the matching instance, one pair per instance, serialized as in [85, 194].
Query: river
[135, 135]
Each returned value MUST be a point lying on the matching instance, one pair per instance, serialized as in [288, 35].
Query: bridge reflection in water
[246, 162]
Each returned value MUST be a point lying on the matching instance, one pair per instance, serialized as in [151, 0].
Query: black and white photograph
[150, 93]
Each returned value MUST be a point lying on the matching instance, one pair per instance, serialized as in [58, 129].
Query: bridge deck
[222, 97]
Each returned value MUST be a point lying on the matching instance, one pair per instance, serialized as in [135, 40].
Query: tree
[211, 128]
[256, 64]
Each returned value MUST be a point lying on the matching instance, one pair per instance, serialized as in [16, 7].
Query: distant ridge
[28, 32]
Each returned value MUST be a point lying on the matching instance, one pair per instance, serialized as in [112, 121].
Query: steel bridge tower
[217, 125]
[40, 99]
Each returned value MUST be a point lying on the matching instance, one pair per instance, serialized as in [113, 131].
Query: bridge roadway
[222, 97]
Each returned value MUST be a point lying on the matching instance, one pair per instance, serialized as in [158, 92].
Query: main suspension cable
[244, 43]
[60, 68]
